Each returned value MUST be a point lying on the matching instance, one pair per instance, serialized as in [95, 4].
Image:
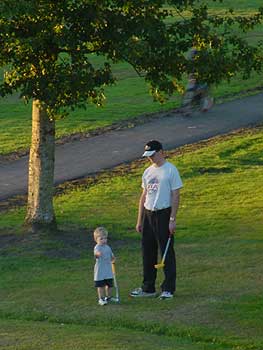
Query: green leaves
[47, 46]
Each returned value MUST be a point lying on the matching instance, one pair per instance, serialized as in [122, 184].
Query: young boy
[103, 275]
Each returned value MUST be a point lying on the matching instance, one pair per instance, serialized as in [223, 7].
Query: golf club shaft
[166, 249]
[158, 266]
[115, 281]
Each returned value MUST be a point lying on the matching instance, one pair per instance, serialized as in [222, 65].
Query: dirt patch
[63, 244]
[214, 170]
[8, 239]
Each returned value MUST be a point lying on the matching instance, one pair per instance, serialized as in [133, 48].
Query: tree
[47, 48]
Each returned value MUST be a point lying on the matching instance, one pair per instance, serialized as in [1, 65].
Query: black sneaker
[166, 295]
[139, 293]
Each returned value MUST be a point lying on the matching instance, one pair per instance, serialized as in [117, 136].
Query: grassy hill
[47, 298]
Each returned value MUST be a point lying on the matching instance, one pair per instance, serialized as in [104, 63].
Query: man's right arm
[140, 211]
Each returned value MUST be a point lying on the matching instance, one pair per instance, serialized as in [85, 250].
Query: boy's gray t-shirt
[102, 268]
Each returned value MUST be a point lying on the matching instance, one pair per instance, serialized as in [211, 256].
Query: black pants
[155, 233]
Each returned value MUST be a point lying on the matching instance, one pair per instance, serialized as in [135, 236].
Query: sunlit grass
[47, 280]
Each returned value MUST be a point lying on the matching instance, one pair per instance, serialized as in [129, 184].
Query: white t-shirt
[159, 182]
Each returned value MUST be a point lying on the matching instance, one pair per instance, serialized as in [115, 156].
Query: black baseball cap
[152, 147]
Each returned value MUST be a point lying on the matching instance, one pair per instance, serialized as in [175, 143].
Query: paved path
[88, 156]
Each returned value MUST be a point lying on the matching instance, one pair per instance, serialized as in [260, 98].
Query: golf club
[161, 264]
[117, 297]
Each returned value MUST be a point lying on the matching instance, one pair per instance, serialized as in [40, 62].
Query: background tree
[47, 48]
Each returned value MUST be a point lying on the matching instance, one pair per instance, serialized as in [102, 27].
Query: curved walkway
[88, 156]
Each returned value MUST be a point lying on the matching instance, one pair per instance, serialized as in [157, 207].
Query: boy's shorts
[103, 283]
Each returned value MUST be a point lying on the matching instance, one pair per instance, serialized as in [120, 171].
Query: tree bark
[40, 211]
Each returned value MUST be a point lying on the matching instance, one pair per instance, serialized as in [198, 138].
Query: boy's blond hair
[100, 232]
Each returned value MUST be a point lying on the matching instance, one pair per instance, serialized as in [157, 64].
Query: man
[196, 90]
[156, 221]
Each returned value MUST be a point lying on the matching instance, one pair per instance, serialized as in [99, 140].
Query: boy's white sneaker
[102, 302]
[112, 299]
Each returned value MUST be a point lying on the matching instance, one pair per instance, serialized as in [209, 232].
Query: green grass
[236, 5]
[64, 336]
[47, 299]
[129, 98]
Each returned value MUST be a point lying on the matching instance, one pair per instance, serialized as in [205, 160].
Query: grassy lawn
[236, 5]
[47, 299]
[127, 99]
[68, 337]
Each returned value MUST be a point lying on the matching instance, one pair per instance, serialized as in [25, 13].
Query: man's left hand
[172, 227]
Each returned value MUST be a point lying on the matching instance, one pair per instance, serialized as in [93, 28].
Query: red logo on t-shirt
[152, 185]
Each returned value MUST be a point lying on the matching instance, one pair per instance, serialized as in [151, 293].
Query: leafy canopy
[48, 46]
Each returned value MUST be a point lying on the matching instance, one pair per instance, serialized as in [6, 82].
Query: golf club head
[159, 266]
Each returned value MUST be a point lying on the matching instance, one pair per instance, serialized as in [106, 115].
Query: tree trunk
[40, 211]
